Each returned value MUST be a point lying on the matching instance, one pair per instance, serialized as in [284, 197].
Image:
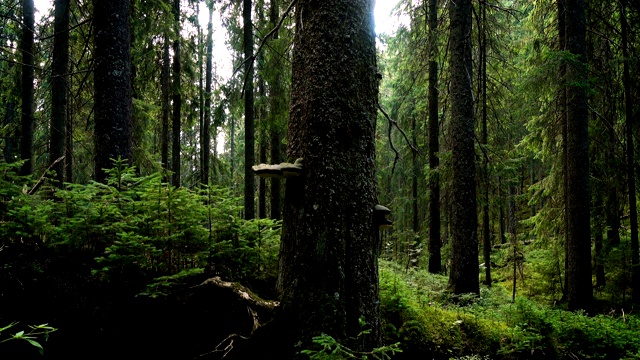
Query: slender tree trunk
[26, 48]
[328, 260]
[414, 196]
[165, 89]
[435, 257]
[177, 98]
[276, 106]
[631, 182]
[249, 130]
[579, 287]
[206, 141]
[486, 237]
[68, 161]
[59, 87]
[599, 239]
[562, 105]
[112, 82]
[464, 244]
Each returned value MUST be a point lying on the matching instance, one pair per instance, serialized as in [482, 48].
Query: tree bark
[177, 99]
[249, 130]
[463, 277]
[435, 257]
[328, 278]
[26, 48]
[112, 82]
[59, 88]
[486, 236]
[579, 288]
[276, 105]
[631, 182]
[165, 90]
[206, 141]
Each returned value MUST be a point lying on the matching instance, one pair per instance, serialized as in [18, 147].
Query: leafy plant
[31, 336]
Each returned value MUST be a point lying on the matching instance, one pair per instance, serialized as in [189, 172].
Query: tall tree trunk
[416, 245]
[435, 257]
[249, 131]
[59, 87]
[275, 102]
[464, 244]
[562, 105]
[177, 98]
[112, 83]
[165, 89]
[486, 237]
[631, 182]
[26, 48]
[328, 278]
[206, 141]
[579, 288]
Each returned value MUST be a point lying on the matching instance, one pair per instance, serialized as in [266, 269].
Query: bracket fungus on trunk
[282, 170]
[380, 217]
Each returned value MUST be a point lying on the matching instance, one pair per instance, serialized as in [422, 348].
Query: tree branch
[393, 123]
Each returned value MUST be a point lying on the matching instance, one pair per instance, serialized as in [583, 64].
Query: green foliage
[331, 349]
[139, 231]
[31, 336]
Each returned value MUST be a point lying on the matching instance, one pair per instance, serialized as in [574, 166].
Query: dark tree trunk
[206, 141]
[463, 277]
[177, 99]
[112, 82]
[249, 131]
[579, 288]
[276, 105]
[562, 106]
[328, 260]
[631, 182]
[26, 47]
[435, 257]
[165, 84]
[599, 255]
[59, 87]
[416, 245]
[486, 237]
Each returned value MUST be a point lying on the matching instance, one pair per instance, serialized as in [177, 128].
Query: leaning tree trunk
[579, 292]
[59, 87]
[26, 47]
[112, 82]
[328, 277]
[463, 277]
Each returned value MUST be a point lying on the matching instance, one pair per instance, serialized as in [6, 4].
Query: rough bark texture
[249, 130]
[579, 290]
[631, 182]
[177, 99]
[26, 47]
[112, 81]
[435, 258]
[59, 87]
[482, 87]
[328, 266]
[463, 277]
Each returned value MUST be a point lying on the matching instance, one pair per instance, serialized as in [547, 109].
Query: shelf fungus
[282, 170]
[380, 217]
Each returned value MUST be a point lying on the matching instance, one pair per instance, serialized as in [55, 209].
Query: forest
[238, 179]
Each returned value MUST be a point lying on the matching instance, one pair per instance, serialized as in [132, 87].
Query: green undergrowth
[430, 323]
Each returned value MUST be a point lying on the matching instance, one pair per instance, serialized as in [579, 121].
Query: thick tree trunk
[328, 260]
[579, 288]
[464, 244]
[112, 82]
[435, 257]
[59, 87]
[26, 48]
[206, 141]
[177, 99]
[249, 130]
[631, 182]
